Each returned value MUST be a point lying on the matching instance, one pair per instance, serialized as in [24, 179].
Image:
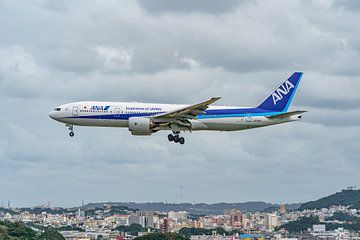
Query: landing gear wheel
[170, 137]
[71, 134]
[176, 138]
[181, 140]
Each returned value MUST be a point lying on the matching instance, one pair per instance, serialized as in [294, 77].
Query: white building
[137, 219]
[179, 216]
[271, 221]
[319, 228]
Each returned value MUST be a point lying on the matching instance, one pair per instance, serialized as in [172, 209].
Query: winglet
[213, 99]
[279, 100]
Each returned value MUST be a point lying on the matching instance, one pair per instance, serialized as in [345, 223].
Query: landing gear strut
[176, 138]
[71, 133]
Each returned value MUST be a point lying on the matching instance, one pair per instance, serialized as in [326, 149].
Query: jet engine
[140, 126]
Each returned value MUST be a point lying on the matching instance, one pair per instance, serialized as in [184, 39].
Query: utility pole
[166, 205]
[181, 193]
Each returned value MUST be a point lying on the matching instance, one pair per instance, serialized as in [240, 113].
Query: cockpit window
[57, 109]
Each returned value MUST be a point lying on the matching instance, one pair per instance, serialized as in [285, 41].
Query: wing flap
[188, 112]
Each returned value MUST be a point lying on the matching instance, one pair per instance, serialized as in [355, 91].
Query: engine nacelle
[140, 126]
[197, 125]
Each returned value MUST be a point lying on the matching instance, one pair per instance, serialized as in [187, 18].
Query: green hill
[6, 210]
[302, 224]
[345, 198]
[19, 231]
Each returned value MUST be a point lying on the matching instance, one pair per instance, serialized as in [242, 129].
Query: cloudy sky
[53, 52]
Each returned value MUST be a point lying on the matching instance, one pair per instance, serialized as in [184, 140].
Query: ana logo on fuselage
[99, 108]
[282, 91]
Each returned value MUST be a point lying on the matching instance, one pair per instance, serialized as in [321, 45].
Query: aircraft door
[248, 118]
[117, 112]
[75, 110]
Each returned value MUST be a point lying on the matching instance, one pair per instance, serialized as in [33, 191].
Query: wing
[188, 112]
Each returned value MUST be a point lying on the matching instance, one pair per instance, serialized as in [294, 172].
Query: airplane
[147, 118]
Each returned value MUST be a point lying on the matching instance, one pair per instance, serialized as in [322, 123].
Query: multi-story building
[271, 221]
[178, 216]
[282, 209]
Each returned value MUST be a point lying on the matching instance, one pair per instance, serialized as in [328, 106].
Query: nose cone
[51, 114]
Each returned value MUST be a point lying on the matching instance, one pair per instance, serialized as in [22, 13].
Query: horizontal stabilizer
[285, 115]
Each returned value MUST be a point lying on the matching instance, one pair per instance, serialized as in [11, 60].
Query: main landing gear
[176, 138]
[71, 133]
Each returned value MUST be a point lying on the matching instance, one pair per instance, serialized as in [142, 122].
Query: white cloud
[114, 59]
[19, 72]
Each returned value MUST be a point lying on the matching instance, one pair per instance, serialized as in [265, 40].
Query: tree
[18, 230]
[51, 233]
[202, 231]
[301, 224]
[133, 229]
[344, 198]
[340, 216]
[3, 232]
[162, 236]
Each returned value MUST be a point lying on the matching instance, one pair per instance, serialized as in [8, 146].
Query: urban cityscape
[111, 221]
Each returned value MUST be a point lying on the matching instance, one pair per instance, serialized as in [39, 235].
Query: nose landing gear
[71, 133]
[176, 138]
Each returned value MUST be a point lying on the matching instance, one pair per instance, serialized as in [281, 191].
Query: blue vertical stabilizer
[279, 100]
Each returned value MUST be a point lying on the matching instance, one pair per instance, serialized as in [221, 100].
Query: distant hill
[289, 207]
[6, 210]
[199, 208]
[345, 198]
[108, 209]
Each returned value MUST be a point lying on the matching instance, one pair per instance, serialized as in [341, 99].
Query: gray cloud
[53, 52]
[187, 6]
[348, 4]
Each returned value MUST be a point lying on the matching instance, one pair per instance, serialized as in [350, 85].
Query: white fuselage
[117, 114]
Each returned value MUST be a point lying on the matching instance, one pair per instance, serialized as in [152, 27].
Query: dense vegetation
[162, 236]
[345, 198]
[200, 231]
[7, 210]
[203, 231]
[133, 229]
[39, 210]
[52, 234]
[19, 231]
[355, 225]
[340, 216]
[302, 224]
